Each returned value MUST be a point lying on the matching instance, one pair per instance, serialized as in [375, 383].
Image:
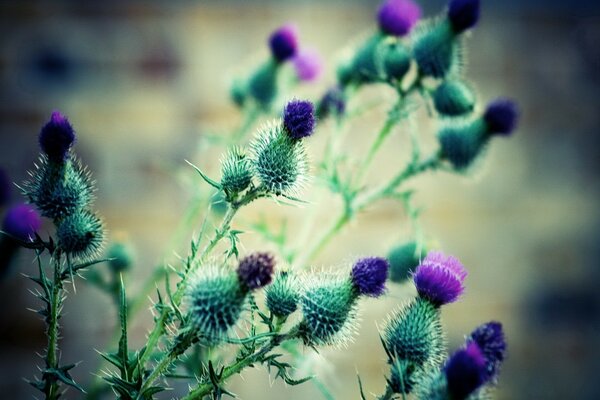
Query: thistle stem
[324, 239]
[51, 388]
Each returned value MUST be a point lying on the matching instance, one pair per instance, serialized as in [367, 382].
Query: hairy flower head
[439, 278]
[57, 137]
[369, 275]
[490, 339]
[299, 119]
[397, 17]
[81, 234]
[465, 371]
[284, 42]
[283, 294]
[236, 171]
[256, 270]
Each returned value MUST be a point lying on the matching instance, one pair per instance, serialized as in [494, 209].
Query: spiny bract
[236, 171]
[283, 294]
[81, 234]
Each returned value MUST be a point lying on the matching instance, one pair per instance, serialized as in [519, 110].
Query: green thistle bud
[238, 93]
[122, 257]
[280, 162]
[462, 142]
[414, 333]
[396, 61]
[329, 312]
[59, 190]
[236, 171]
[403, 261]
[283, 294]
[215, 300]
[437, 50]
[81, 234]
[367, 61]
[453, 98]
[263, 84]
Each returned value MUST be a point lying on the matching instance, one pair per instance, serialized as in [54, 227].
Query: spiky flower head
[403, 260]
[284, 42]
[256, 270]
[414, 333]
[57, 137]
[21, 221]
[5, 187]
[81, 234]
[439, 278]
[328, 306]
[465, 371]
[215, 300]
[59, 190]
[280, 163]
[299, 119]
[308, 65]
[333, 102]
[436, 50]
[236, 171]
[396, 61]
[490, 339]
[283, 294]
[397, 17]
[369, 275]
[463, 14]
[453, 98]
[121, 256]
[501, 117]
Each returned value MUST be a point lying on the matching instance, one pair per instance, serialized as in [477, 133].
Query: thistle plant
[217, 313]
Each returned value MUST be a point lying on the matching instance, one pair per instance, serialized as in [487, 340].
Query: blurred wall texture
[142, 83]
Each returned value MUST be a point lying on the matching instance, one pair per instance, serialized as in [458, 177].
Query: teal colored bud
[215, 299]
[396, 61]
[345, 73]
[414, 333]
[81, 234]
[403, 260]
[263, 84]
[436, 50]
[454, 98]
[122, 257]
[462, 142]
[367, 61]
[59, 190]
[279, 161]
[236, 171]
[329, 312]
[238, 93]
[283, 295]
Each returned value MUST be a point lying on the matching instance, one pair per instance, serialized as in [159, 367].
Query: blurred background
[144, 84]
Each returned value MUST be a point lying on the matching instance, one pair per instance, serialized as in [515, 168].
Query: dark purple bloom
[256, 270]
[21, 221]
[5, 187]
[57, 137]
[397, 17]
[369, 275]
[299, 118]
[490, 339]
[308, 64]
[463, 14]
[501, 116]
[439, 278]
[332, 102]
[465, 371]
[284, 42]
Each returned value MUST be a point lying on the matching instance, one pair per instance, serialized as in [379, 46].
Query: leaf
[123, 346]
[75, 268]
[212, 183]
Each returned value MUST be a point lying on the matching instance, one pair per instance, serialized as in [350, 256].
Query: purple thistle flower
[369, 275]
[465, 371]
[332, 102]
[397, 17]
[21, 221]
[299, 118]
[57, 137]
[256, 270]
[501, 116]
[5, 187]
[439, 278]
[463, 14]
[308, 65]
[284, 42]
[490, 339]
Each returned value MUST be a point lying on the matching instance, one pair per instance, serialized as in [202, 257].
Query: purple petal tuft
[256, 270]
[284, 42]
[57, 137]
[21, 221]
[397, 17]
[501, 116]
[308, 65]
[490, 339]
[299, 119]
[439, 278]
[369, 275]
[463, 14]
[465, 371]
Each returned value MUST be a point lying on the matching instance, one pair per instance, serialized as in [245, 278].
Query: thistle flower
[463, 14]
[122, 256]
[453, 98]
[369, 275]
[283, 294]
[333, 102]
[501, 117]
[81, 234]
[5, 187]
[57, 137]
[396, 61]
[490, 339]
[236, 171]
[414, 333]
[262, 86]
[403, 261]
[397, 17]
[215, 300]
[21, 221]
[299, 119]
[256, 270]
[284, 42]
[329, 312]
[465, 371]
[439, 278]
[308, 65]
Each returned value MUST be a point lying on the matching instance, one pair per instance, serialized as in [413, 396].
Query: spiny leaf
[123, 346]
[212, 183]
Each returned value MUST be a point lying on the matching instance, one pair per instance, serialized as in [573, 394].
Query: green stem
[324, 239]
[51, 388]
